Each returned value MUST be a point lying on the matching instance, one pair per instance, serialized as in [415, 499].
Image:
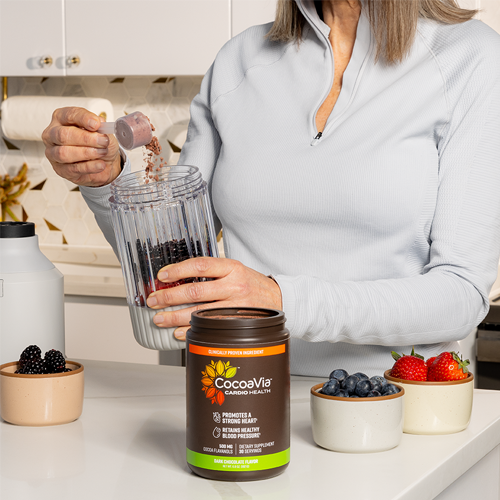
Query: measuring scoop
[132, 130]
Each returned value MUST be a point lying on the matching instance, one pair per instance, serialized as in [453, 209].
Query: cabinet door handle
[46, 61]
[73, 61]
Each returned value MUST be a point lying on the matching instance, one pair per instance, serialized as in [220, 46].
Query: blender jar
[157, 223]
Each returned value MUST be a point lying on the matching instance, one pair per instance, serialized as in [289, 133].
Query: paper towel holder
[4, 91]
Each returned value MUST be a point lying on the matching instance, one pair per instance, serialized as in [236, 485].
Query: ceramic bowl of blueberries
[357, 414]
[436, 407]
[31, 398]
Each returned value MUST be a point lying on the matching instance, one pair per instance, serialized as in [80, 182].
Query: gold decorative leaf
[210, 372]
[219, 368]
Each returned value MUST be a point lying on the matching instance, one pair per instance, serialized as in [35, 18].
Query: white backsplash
[55, 205]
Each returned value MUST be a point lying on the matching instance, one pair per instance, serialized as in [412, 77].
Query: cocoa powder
[153, 150]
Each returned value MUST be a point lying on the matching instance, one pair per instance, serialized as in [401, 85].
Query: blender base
[151, 336]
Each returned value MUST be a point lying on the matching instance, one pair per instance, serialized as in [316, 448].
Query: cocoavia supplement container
[238, 394]
[156, 224]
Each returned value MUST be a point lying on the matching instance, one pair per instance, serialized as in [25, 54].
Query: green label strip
[225, 463]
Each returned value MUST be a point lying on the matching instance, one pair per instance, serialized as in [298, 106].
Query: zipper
[316, 139]
[318, 136]
[312, 26]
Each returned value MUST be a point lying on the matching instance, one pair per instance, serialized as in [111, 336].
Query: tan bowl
[38, 400]
[356, 425]
[436, 407]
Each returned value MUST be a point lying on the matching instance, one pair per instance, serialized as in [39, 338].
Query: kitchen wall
[489, 11]
[55, 205]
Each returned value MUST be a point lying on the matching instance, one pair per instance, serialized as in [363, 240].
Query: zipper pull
[316, 139]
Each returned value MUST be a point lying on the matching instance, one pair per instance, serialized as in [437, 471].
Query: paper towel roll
[26, 117]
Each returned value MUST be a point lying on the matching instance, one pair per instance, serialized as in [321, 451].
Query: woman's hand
[235, 286]
[77, 152]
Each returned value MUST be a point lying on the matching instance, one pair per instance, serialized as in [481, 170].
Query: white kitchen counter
[129, 443]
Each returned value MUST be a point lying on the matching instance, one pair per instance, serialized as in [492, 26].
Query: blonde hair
[394, 23]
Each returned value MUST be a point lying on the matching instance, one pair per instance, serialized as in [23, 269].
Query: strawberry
[430, 361]
[448, 366]
[409, 367]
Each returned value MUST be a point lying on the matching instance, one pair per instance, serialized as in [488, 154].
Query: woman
[352, 151]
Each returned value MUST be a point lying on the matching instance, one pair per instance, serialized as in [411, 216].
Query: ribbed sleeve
[97, 199]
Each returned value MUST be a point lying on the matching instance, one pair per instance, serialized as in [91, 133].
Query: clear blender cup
[155, 224]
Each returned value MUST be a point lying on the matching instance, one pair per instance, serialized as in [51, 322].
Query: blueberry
[331, 387]
[379, 383]
[361, 376]
[373, 394]
[349, 384]
[390, 389]
[343, 394]
[339, 375]
[363, 387]
[354, 396]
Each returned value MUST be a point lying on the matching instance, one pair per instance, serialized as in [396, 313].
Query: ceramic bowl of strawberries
[438, 392]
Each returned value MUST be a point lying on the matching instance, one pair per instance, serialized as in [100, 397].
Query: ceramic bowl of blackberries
[354, 413]
[41, 389]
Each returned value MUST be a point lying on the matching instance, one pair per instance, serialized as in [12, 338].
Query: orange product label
[237, 353]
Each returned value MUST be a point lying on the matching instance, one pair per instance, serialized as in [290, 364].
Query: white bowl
[436, 407]
[356, 425]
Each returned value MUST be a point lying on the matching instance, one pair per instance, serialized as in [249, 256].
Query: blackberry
[33, 367]
[152, 257]
[54, 361]
[31, 352]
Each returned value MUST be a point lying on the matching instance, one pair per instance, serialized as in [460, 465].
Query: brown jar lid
[237, 324]
[237, 317]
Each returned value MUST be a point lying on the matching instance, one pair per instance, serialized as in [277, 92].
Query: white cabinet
[30, 32]
[145, 37]
[246, 13]
[133, 37]
[111, 37]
